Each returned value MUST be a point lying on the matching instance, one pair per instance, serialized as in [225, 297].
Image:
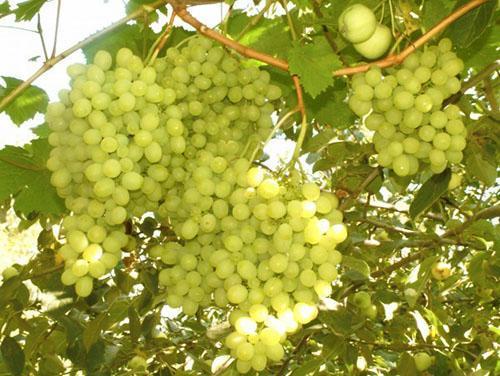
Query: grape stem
[48, 64]
[161, 41]
[274, 130]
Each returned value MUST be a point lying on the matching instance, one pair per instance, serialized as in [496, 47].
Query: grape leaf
[13, 355]
[131, 36]
[268, 35]
[480, 168]
[430, 192]
[329, 108]
[434, 11]
[314, 64]
[4, 7]
[468, 28]
[484, 51]
[26, 10]
[25, 105]
[23, 175]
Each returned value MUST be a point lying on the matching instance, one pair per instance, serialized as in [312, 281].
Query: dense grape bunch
[264, 248]
[126, 137]
[404, 109]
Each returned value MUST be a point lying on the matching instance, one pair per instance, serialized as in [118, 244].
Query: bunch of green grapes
[404, 109]
[265, 249]
[128, 137]
[358, 25]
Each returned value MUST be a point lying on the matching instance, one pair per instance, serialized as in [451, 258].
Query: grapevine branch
[180, 9]
[56, 59]
[399, 58]
[160, 43]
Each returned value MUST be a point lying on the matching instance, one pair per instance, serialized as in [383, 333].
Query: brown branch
[373, 175]
[300, 98]
[56, 59]
[399, 58]
[473, 81]
[212, 34]
[491, 212]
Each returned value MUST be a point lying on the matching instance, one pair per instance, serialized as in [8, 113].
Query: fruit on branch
[138, 363]
[357, 23]
[404, 109]
[377, 45]
[441, 271]
[422, 361]
[455, 181]
[9, 272]
[362, 299]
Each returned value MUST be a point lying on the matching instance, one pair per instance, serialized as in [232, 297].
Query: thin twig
[473, 81]
[255, 19]
[488, 213]
[160, 43]
[388, 227]
[291, 25]
[42, 39]
[18, 28]
[56, 59]
[303, 125]
[326, 31]
[373, 175]
[56, 32]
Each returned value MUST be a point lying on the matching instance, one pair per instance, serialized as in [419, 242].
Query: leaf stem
[42, 39]
[161, 41]
[56, 32]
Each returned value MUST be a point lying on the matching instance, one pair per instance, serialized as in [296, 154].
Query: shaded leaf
[92, 332]
[406, 366]
[26, 10]
[308, 367]
[481, 168]
[468, 28]
[314, 64]
[429, 193]
[134, 324]
[13, 355]
[26, 105]
[23, 175]
[319, 141]
[434, 11]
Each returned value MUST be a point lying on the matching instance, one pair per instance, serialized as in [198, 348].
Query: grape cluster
[404, 109]
[126, 133]
[173, 138]
[264, 248]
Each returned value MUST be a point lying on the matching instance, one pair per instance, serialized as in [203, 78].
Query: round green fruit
[9, 273]
[377, 44]
[357, 23]
[422, 361]
[362, 300]
[441, 271]
[137, 363]
[455, 181]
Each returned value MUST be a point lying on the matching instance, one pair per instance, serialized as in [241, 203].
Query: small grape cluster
[266, 249]
[404, 109]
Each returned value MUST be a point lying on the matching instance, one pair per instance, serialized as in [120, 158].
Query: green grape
[377, 45]
[401, 165]
[437, 157]
[403, 100]
[441, 141]
[438, 119]
[426, 133]
[383, 90]
[84, 287]
[410, 145]
[357, 23]
[457, 143]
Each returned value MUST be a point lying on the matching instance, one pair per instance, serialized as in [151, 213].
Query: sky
[79, 18]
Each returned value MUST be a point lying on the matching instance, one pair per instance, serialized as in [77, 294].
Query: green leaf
[308, 368]
[13, 355]
[319, 141]
[435, 10]
[42, 130]
[314, 64]
[406, 366]
[484, 51]
[130, 36]
[26, 10]
[330, 108]
[481, 168]
[92, 332]
[27, 104]
[468, 28]
[23, 176]
[476, 268]
[271, 36]
[356, 269]
[134, 324]
[430, 192]
[4, 7]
